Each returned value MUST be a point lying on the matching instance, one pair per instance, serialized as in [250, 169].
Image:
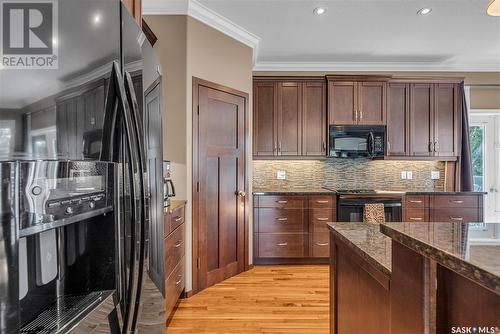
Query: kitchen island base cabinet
[359, 293]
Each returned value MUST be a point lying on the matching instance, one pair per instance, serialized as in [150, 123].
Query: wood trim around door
[197, 82]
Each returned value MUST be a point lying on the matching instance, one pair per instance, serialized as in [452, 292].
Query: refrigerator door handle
[139, 137]
[117, 112]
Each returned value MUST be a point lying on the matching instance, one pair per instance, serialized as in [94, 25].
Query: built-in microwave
[353, 141]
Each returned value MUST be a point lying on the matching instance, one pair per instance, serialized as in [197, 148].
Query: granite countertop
[316, 191]
[175, 203]
[451, 245]
[445, 193]
[367, 241]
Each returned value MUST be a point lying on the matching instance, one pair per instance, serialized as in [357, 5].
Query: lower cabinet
[174, 253]
[452, 208]
[292, 228]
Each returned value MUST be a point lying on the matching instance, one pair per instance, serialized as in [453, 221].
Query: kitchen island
[413, 278]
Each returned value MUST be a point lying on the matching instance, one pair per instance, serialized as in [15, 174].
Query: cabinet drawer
[416, 201]
[321, 202]
[319, 219]
[456, 201]
[281, 244]
[293, 202]
[413, 215]
[178, 217]
[455, 215]
[281, 220]
[174, 285]
[174, 249]
[321, 244]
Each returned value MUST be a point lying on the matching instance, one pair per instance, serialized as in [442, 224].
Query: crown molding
[373, 66]
[205, 15]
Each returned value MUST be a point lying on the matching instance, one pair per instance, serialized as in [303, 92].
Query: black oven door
[352, 209]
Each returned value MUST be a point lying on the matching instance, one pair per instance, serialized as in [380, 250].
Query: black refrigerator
[80, 167]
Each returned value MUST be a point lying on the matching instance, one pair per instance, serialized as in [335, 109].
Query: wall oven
[354, 141]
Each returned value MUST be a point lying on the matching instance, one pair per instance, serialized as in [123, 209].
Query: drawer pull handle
[178, 244]
[178, 219]
[322, 202]
[282, 219]
[179, 281]
[322, 219]
[283, 244]
[282, 202]
[322, 243]
[457, 218]
[415, 201]
[416, 218]
[456, 201]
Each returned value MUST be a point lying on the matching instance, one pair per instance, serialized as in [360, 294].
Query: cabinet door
[62, 130]
[264, 119]
[371, 102]
[314, 119]
[397, 119]
[342, 102]
[289, 118]
[445, 120]
[421, 123]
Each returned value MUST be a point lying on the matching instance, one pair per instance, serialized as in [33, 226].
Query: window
[477, 155]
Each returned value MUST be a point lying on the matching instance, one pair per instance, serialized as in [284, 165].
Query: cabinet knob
[322, 243]
[241, 193]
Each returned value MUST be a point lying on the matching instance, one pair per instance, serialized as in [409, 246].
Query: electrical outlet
[435, 175]
[409, 175]
[403, 175]
[281, 175]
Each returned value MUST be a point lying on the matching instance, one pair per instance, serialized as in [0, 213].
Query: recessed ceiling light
[319, 11]
[97, 18]
[493, 8]
[424, 11]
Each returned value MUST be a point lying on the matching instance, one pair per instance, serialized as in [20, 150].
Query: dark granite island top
[450, 244]
[367, 241]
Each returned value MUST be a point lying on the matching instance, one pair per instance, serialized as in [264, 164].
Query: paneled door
[445, 120]
[219, 204]
[421, 122]
[289, 118]
[264, 119]
[314, 119]
[398, 96]
[343, 101]
[371, 102]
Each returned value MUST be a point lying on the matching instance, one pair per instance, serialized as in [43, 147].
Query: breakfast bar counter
[413, 278]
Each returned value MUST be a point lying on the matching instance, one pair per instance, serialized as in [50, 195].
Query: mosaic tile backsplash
[347, 174]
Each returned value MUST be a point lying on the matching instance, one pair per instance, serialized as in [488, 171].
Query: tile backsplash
[347, 174]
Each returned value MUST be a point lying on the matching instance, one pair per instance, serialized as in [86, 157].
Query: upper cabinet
[421, 115]
[289, 118]
[356, 102]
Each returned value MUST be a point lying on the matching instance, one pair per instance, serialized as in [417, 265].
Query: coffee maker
[168, 185]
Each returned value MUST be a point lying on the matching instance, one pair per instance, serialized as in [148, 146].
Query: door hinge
[197, 187]
[198, 263]
[198, 110]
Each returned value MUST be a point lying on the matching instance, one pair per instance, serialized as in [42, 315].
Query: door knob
[241, 193]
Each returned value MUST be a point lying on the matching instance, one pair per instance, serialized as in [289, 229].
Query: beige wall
[188, 48]
[480, 97]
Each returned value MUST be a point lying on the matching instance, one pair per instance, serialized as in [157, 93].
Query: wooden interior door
[314, 119]
[343, 101]
[398, 103]
[289, 118]
[220, 202]
[371, 102]
[421, 123]
[445, 120]
[264, 119]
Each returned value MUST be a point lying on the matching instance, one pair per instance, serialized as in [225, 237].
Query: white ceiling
[368, 34]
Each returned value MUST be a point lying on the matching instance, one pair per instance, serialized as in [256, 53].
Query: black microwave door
[349, 146]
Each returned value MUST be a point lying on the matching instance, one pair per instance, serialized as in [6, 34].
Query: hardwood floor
[266, 299]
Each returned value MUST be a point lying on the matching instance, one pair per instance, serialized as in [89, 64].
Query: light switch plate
[409, 175]
[403, 175]
[281, 175]
[435, 175]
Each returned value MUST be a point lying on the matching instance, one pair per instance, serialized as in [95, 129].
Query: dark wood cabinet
[356, 102]
[446, 119]
[421, 124]
[292, 228]
[289, 118]
[264, 118]
[453, 208]
[314, 130]
[398, 105]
